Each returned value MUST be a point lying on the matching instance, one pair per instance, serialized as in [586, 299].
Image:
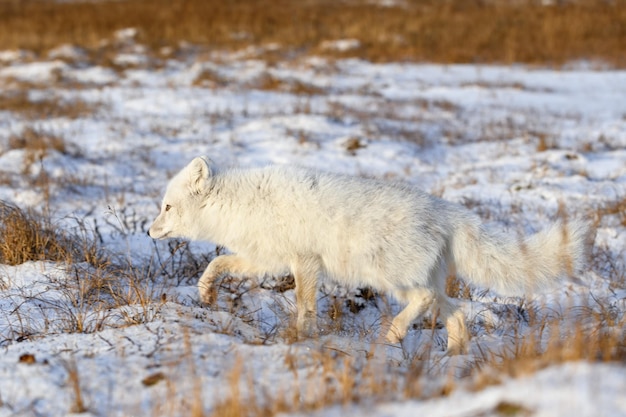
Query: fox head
[184, 198]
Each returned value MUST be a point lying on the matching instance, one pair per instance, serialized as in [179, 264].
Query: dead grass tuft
[339, 378]
[268, 82]
[37, 141]
[98, 288]
[615, 209]
[19, 101]
[26, 235]
[37, 144]
[457, 288]
[505, 408]
[73, 380]
[209, 78]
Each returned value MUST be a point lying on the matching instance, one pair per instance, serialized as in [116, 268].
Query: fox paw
[208, 295]
[393, 337]
[307, 329]
[455, 348]
[454, 351]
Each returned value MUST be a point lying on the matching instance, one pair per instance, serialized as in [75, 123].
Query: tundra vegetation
[514, 109]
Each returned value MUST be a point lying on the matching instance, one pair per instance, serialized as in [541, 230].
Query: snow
[512, 143]
[34, 72]
[341, 45]
[571, 389]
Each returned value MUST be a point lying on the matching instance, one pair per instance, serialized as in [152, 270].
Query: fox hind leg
[454, 319]
[419, 301]
[450, 313]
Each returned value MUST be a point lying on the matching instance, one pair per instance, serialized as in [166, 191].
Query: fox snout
[152, 234]
[157, 234]
[156, 230]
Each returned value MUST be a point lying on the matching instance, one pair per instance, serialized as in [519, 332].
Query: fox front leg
[219, 267]
[305, 271]
[206, 289]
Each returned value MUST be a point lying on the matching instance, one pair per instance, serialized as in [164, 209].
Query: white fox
[385, 234]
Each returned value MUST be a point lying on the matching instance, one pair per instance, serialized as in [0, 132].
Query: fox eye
[167, 207]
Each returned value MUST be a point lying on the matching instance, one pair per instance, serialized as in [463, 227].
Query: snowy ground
[511, 143]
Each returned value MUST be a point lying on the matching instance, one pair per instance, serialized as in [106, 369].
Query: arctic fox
[388, 235]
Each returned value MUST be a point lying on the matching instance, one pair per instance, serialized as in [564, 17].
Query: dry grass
[38, 144]
[338, 378]
[97, 281]
[29, 236]
[431, 30]
[345, 378]
[73, 381]
[268, 82]
[613, 209]
[18, 101]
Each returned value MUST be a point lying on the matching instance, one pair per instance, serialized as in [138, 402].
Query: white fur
[387, 235]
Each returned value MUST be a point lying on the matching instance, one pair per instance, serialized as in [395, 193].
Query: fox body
[388, 235]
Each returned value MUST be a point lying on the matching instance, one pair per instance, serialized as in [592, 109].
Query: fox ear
[199, 172]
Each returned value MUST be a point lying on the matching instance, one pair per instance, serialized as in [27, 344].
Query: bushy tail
[513, 265]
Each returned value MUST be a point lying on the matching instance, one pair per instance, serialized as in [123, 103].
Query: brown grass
[18, 101]
[73, 381]
[29, 236]
[344, 378]
[616, 208]
[37, 144]
[97, 280]
[340, 378]
[430, 30]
